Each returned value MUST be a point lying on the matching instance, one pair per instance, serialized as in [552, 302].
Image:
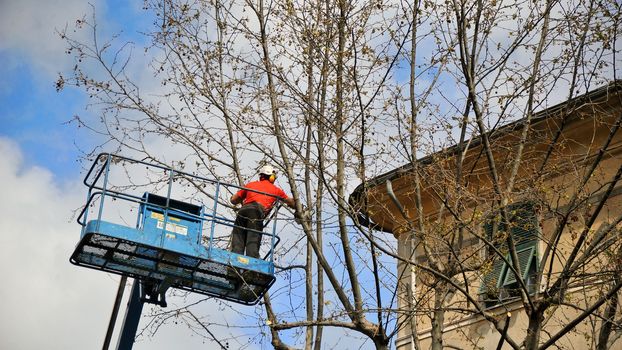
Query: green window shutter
[525, 258]
[523, 223]
[488, 229]
[494, 231]
[524, 228]
[491, 281]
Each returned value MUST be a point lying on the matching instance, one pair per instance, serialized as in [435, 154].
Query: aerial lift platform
[173, 243]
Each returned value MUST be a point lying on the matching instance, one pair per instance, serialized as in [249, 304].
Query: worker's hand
[299, 217]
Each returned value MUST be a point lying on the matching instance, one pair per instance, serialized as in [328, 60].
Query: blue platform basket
[167, 247]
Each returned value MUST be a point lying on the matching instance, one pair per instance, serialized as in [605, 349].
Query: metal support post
[132, 317]
[115, 312]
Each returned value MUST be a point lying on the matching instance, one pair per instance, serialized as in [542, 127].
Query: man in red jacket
[246, 234]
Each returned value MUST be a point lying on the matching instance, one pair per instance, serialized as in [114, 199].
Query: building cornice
[357, 197]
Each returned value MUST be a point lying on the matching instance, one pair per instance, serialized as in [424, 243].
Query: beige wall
[473, 333]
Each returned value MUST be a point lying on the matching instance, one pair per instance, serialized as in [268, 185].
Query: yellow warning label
[243, 260]
[160, 217]
[175, 228]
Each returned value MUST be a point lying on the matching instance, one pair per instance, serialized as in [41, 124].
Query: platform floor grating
[204, 276]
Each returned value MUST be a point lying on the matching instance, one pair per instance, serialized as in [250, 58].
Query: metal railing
[99, 189]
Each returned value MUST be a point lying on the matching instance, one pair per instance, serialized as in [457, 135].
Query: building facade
[511, 238]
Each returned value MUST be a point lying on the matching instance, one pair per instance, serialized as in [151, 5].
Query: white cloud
[47, 302]
[28, 30]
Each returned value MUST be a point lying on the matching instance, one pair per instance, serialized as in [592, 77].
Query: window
[500, 283]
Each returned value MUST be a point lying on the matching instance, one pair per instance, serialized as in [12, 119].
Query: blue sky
[32, 113]
[34, 116]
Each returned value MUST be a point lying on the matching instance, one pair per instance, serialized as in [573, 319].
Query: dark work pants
[248, 220]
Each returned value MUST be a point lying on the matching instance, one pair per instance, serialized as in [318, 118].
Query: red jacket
[264, 186]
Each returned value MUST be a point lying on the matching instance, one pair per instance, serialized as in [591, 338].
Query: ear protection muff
[272, 177]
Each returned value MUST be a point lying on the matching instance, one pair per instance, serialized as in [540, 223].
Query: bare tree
[465, 194]
[335, 93]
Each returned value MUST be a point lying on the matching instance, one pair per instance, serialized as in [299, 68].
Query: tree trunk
[438, 317]
[605, 330]
[381, 344]
[532, 340]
